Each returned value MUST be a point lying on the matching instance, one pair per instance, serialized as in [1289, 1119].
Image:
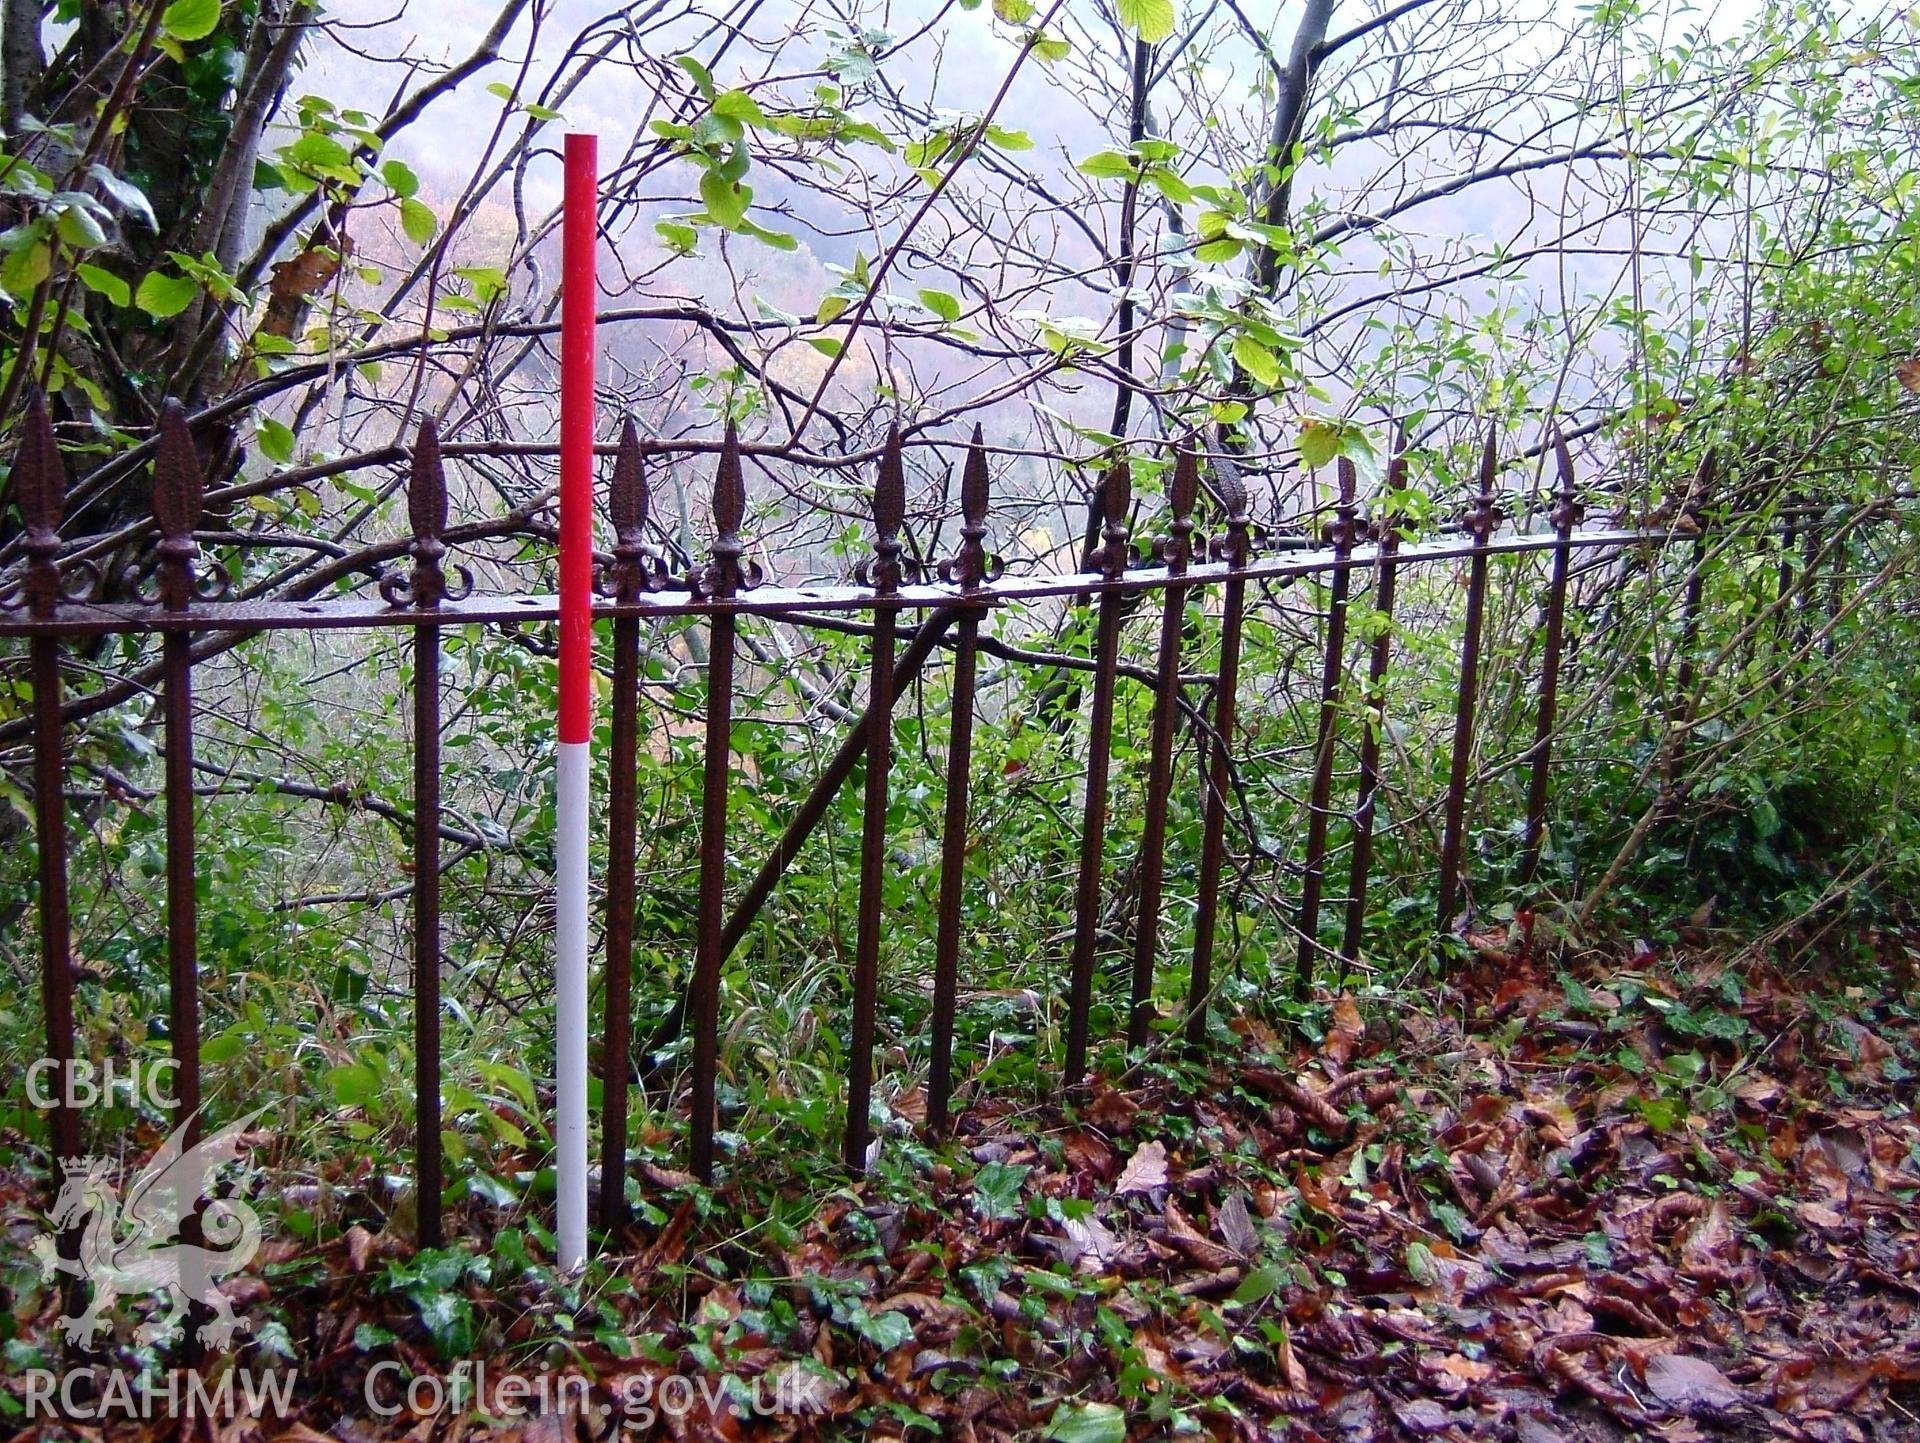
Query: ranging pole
[578, 293]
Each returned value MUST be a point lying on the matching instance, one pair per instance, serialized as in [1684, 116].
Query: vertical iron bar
[889, 511]
[177, 491]
[1116, 494]
[1368, 796]
[39, 487]
[1321, 794]
[719, 583]
[967, 570]
[1175, 552]
[426, 929]
[1480, 521]
[1565, 514]
[1234, 549]
[423, 588]
[627, 503]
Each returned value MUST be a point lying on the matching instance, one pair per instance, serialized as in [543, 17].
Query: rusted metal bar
[1320, 796]
[1566, 513]
[1479, 524]
[1116, 493]
[1234, 549]
[39, 488]
[423, 588]
[969, 570]
[808, 816]
[883, 573]
[634, 570]
[1175, 552]
[1360, 865]
[720, 581]
[177, 491]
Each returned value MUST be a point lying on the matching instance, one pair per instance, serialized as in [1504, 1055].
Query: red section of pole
[580, 235]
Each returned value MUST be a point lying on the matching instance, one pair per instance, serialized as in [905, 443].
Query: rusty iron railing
[52, 605]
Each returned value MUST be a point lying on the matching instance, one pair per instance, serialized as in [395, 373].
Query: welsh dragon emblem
[133, 1245]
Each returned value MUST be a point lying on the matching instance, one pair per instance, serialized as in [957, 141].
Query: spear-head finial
[627, 505]
[1176, 551]
[1566, 505]
[1483, 515]
[1341, 533]
[1116, 495]
[889, 514]
[971, 566]
[724, 575]
[40, 486]
[177, 496]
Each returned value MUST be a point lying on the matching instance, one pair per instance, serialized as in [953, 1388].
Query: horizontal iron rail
[354, 613]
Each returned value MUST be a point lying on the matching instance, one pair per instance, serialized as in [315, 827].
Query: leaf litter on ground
[1651, 1201]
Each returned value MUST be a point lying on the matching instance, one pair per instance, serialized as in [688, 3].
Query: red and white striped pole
[579, 288]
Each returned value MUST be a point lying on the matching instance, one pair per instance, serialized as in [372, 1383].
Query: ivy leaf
[190, 20]
[996, 1190]
[1151, 20]
[418, 221]
[1088, 1423]
[163, 296]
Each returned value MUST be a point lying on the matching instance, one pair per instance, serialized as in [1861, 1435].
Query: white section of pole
[570, 1002]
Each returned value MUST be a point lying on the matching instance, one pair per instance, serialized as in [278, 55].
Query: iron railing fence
[51, 604]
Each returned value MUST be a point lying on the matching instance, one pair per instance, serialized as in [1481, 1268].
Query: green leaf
[1319, 442]
[740, 106]
[946, 307]
[1049, 49]
[886, 1331]
[29, 260]
[1107, 165]
[400, 179]
[353, 1084]
[702, 77]
[826, 345]
[726, 200]
[778, 239]
[418, 221]
[163, 296]
[275, 439]
[679, 237]
[1151, 20]
[1261, 364]
[1013, 12]
[103, 282]
[77, 226]
[996, 1190]
[1088, 1423]
[190, 20]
